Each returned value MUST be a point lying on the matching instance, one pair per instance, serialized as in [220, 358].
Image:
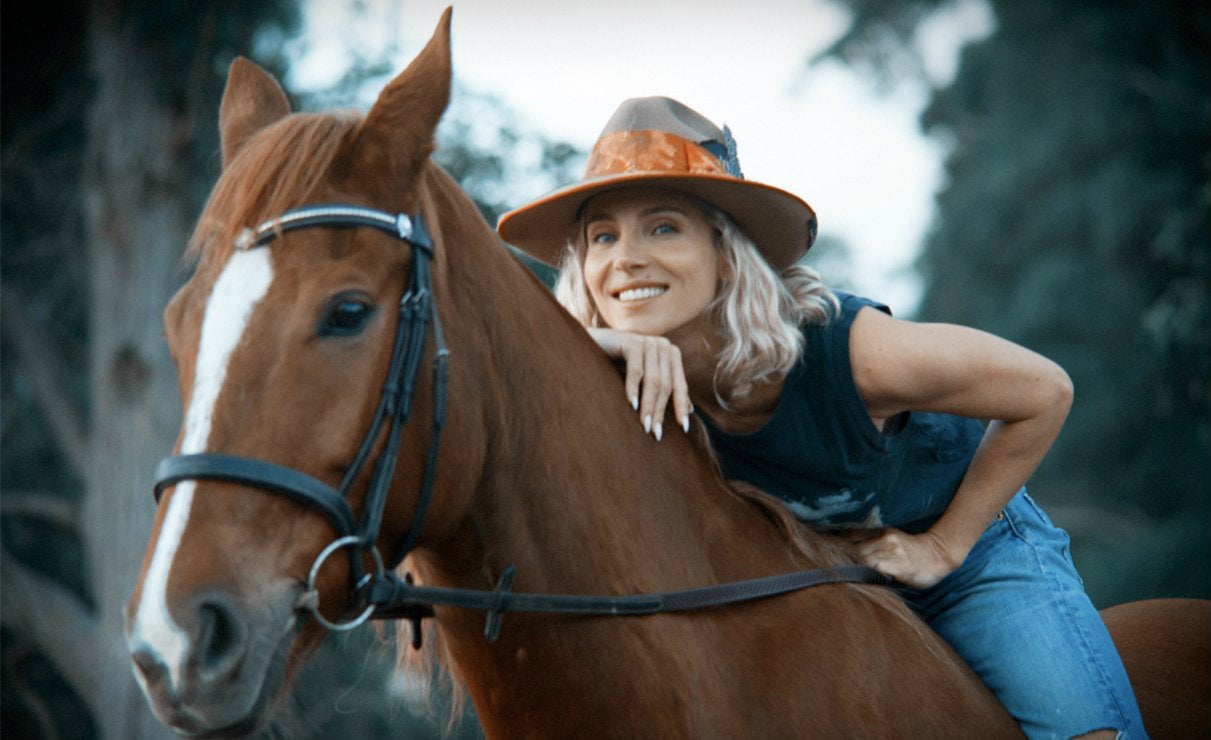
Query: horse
[283, 337]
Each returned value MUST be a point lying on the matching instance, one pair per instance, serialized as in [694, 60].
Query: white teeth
[638, 294]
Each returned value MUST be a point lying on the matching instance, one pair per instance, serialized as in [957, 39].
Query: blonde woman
[688, 273]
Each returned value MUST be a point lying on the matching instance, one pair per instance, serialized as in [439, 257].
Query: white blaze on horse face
[243, 283]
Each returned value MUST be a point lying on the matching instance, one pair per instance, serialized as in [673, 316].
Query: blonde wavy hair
[759, 310]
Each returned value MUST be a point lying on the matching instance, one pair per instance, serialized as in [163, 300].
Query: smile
[639, 294]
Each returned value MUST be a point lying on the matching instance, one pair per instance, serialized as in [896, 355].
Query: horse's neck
[564, 485]
[573, 492]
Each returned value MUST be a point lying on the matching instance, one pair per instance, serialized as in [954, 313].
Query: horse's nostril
[220, 640]
[149, 665]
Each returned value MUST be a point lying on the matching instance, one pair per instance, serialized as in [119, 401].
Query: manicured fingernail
[635, 402]
[658, 431]
[685, 424]
[691, 408]
[647, 423]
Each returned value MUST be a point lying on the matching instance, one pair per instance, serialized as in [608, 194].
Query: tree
[109, 131]
[1075, 221]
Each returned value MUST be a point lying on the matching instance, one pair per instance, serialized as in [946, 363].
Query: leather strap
[292, 483]
[394, 598]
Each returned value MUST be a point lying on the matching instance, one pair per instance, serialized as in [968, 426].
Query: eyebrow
[642, 214]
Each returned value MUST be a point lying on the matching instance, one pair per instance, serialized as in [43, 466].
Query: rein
[382, 594]
[400, 599]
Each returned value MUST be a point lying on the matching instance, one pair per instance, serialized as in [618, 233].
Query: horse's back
[1166, 646]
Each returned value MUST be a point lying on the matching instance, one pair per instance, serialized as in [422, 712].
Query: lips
[629, 295]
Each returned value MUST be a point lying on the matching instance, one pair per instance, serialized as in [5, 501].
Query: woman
[858, 421]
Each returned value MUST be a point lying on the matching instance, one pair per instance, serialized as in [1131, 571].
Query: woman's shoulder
[851, 304]
[826, 354]
[836, 325]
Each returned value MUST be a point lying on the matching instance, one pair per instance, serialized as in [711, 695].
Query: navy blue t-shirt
[820, 453]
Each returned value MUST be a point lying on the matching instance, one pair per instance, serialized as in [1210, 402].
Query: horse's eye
[346, 316]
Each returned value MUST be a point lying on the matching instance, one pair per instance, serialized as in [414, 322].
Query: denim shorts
[1017, 612]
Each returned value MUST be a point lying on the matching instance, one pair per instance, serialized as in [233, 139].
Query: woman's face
[650, 260]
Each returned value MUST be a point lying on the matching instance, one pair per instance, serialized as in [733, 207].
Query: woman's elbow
[1059, 391]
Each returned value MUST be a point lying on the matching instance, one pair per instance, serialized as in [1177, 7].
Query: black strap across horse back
[400, 599]
[381, 594]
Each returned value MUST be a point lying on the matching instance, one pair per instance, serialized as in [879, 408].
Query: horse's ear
[397, 135]
[251, 101]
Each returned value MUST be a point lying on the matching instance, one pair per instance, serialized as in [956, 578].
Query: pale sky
[823, 133]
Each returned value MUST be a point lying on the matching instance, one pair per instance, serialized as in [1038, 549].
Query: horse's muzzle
[227, 671]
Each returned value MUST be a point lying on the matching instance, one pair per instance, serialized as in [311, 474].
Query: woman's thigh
[1017, 612]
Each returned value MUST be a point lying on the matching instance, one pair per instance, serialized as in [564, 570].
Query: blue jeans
[1017, 612]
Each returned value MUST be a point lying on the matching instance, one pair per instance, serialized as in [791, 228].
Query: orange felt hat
[660, 143]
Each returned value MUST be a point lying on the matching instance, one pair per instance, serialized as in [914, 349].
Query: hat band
[650, 152]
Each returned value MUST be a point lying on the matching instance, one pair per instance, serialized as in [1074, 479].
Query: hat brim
[781, 225]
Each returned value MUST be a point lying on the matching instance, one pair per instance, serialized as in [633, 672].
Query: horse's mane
[277, 169]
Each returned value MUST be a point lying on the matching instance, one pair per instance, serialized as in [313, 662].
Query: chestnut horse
[282, 344]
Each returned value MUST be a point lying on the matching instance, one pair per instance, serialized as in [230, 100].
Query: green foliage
[879, 38]
[1075, 221]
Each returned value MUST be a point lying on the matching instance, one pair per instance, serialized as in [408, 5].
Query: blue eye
[346, 316]
[664, 229]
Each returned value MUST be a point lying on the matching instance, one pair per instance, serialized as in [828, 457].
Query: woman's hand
[654, 376]
[916, 560]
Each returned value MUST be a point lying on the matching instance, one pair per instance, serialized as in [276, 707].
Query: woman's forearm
[1006, 458]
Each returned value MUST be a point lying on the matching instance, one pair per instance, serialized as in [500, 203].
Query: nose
[149, 666]
[221, 637]
[629, 254]
[209, 664]
[212, 653]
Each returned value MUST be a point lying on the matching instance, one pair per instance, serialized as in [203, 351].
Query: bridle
[381, 594]
[416, 311]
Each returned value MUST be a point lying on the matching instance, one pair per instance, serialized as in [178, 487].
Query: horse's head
[283, 339]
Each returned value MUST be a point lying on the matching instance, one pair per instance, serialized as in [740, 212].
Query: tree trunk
[138, 216]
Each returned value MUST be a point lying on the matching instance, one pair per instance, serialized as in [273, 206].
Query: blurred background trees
[108, 141]
[1075, 220]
